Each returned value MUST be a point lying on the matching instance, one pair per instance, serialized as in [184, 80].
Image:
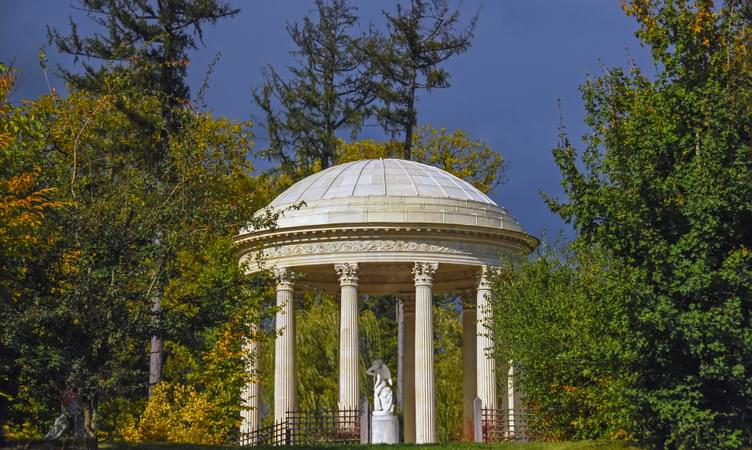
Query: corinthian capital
[284, 278]
[424, 271]
[348, 273]
[486, 275]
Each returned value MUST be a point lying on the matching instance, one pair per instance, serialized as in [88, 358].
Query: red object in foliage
[69, 395]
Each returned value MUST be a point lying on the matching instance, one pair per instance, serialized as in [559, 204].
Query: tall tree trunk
[412, 118]
[408, 141]
[155, 351]
[90, 425]
[330, 97]
[155, 354]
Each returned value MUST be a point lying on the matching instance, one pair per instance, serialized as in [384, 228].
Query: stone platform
[384, 429]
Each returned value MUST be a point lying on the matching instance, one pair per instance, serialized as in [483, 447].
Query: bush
[174, 413]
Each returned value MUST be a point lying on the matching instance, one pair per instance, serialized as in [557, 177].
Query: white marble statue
[383, 402]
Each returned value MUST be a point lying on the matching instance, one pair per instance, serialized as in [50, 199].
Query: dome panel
[384, 177]
[389, 190]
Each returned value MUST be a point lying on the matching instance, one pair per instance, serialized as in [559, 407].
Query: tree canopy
[663, 189]
[119, 201]
[330, 89]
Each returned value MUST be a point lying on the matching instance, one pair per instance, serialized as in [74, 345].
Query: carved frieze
[380, 246]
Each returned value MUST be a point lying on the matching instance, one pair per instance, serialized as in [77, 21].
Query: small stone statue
[58, 428]
[71, 412]
[382, 393]
[384, 425]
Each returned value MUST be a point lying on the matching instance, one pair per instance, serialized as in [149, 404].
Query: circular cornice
[324, 244]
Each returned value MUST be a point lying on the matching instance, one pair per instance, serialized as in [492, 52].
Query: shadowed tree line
[640, 329]
[121, 199]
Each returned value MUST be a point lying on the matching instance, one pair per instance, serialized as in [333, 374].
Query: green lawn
[580, 445]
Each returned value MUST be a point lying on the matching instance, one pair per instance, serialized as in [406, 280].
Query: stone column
[486, 365]
[425, 420]
[469, 381]
[285, 395]
[408, 411]
[513, 403]
[349, 356]
[250, 393]
[400, 313]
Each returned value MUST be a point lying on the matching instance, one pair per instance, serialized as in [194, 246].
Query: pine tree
[329, 90]
[147, 42]
[408, 58]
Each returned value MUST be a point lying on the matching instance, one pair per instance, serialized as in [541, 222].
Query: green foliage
[340, 80]
[147, 44]
[447, 323]
[408, 58]
[664, 186]
[317, 342]
[150, 39]
[378, 339]
[174, 413]
[25, 206]
[86, 310]
[557, 318]
[473, 160]
[329, 90]
[578, 445]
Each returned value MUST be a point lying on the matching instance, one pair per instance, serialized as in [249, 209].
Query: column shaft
[512, 402]
[285, 395]
[425, 419]
[408, 410]
[486, 365]
[469, 381]
[400, 310]
[349, 356]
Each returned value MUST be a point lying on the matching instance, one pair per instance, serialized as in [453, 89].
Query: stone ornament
[424, 271]
[347, 273]
[383, 402]
[486, 274]
[284, 278]
[379, 245]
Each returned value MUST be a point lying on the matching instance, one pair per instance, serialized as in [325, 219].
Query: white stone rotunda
[386, 227]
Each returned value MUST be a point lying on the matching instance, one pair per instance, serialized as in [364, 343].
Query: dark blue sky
[526, 54]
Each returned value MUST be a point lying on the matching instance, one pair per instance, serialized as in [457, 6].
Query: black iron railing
[275, 434]
[308, 427]
[503, 425]
[324, 426]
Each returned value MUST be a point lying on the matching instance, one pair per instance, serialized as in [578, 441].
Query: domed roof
[381, 177]
[386, 214]
[388, 191]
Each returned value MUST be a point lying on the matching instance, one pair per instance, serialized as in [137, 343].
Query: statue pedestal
[384, 429]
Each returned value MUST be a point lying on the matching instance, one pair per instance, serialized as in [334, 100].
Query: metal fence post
[364, 422]
[477, 420]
